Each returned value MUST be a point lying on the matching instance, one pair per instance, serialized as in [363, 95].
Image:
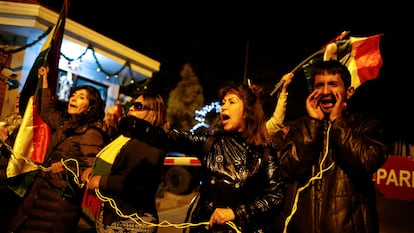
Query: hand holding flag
[309, 60]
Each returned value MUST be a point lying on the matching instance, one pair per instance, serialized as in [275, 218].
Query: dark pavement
[395, 216]
[172, 211]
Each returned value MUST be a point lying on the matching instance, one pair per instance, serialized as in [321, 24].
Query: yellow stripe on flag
[23, 145]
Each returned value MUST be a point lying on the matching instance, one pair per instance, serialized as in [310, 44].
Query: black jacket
[133, 181]
[342, 197]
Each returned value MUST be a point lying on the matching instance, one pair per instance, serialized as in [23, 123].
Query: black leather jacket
[236, 175]
[342, 197]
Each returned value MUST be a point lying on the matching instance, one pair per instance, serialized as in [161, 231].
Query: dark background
[261, 41]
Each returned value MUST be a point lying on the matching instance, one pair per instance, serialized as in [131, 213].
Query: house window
[67, 81]
[101, 87]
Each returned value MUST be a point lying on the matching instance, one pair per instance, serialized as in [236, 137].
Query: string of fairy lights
[18, 159]
[100, 68]
[127, 64]
[201, 115]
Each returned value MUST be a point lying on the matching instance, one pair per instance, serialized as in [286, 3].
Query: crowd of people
[259, 173]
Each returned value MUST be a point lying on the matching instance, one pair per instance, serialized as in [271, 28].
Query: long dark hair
[255, 131]
[95, 114]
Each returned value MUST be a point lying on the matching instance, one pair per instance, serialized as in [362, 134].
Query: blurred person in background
[9, 200]
[112, 118]
[276, 121]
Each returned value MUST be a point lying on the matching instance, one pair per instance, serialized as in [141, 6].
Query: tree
[184, 99]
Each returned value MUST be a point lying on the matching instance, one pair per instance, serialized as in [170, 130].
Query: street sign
[395, 179]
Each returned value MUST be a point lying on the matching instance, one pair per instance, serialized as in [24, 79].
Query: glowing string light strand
[316, 177]
[30, 162]
[134, 217]
[139, 221]
[200, 115]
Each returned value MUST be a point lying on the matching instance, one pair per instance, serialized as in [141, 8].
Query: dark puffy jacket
[133, 182]
[341, 198]
[53, 202]
[242, 177]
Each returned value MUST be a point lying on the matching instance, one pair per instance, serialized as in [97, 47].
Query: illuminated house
[87, 56]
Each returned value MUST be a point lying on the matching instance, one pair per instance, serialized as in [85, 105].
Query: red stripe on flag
[368, 57]
[41, 136]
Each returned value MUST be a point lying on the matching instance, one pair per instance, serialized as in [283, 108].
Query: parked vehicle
[181, 173]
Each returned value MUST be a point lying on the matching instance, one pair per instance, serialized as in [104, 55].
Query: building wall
[8, 97]
[22, 63]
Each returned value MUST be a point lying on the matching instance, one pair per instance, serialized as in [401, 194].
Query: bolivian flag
[361, 55]
[34, 135]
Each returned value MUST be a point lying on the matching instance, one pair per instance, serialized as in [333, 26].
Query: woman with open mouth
[241, 188]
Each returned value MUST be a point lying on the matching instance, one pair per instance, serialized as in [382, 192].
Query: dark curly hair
[95, 114]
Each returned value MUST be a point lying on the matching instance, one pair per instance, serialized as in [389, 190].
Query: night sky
[262, 42]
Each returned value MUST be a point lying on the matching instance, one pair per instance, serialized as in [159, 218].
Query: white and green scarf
[103, 164]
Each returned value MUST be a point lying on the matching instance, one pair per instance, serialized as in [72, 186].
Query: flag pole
[320, 51]
[246, 58]
[280, 83]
